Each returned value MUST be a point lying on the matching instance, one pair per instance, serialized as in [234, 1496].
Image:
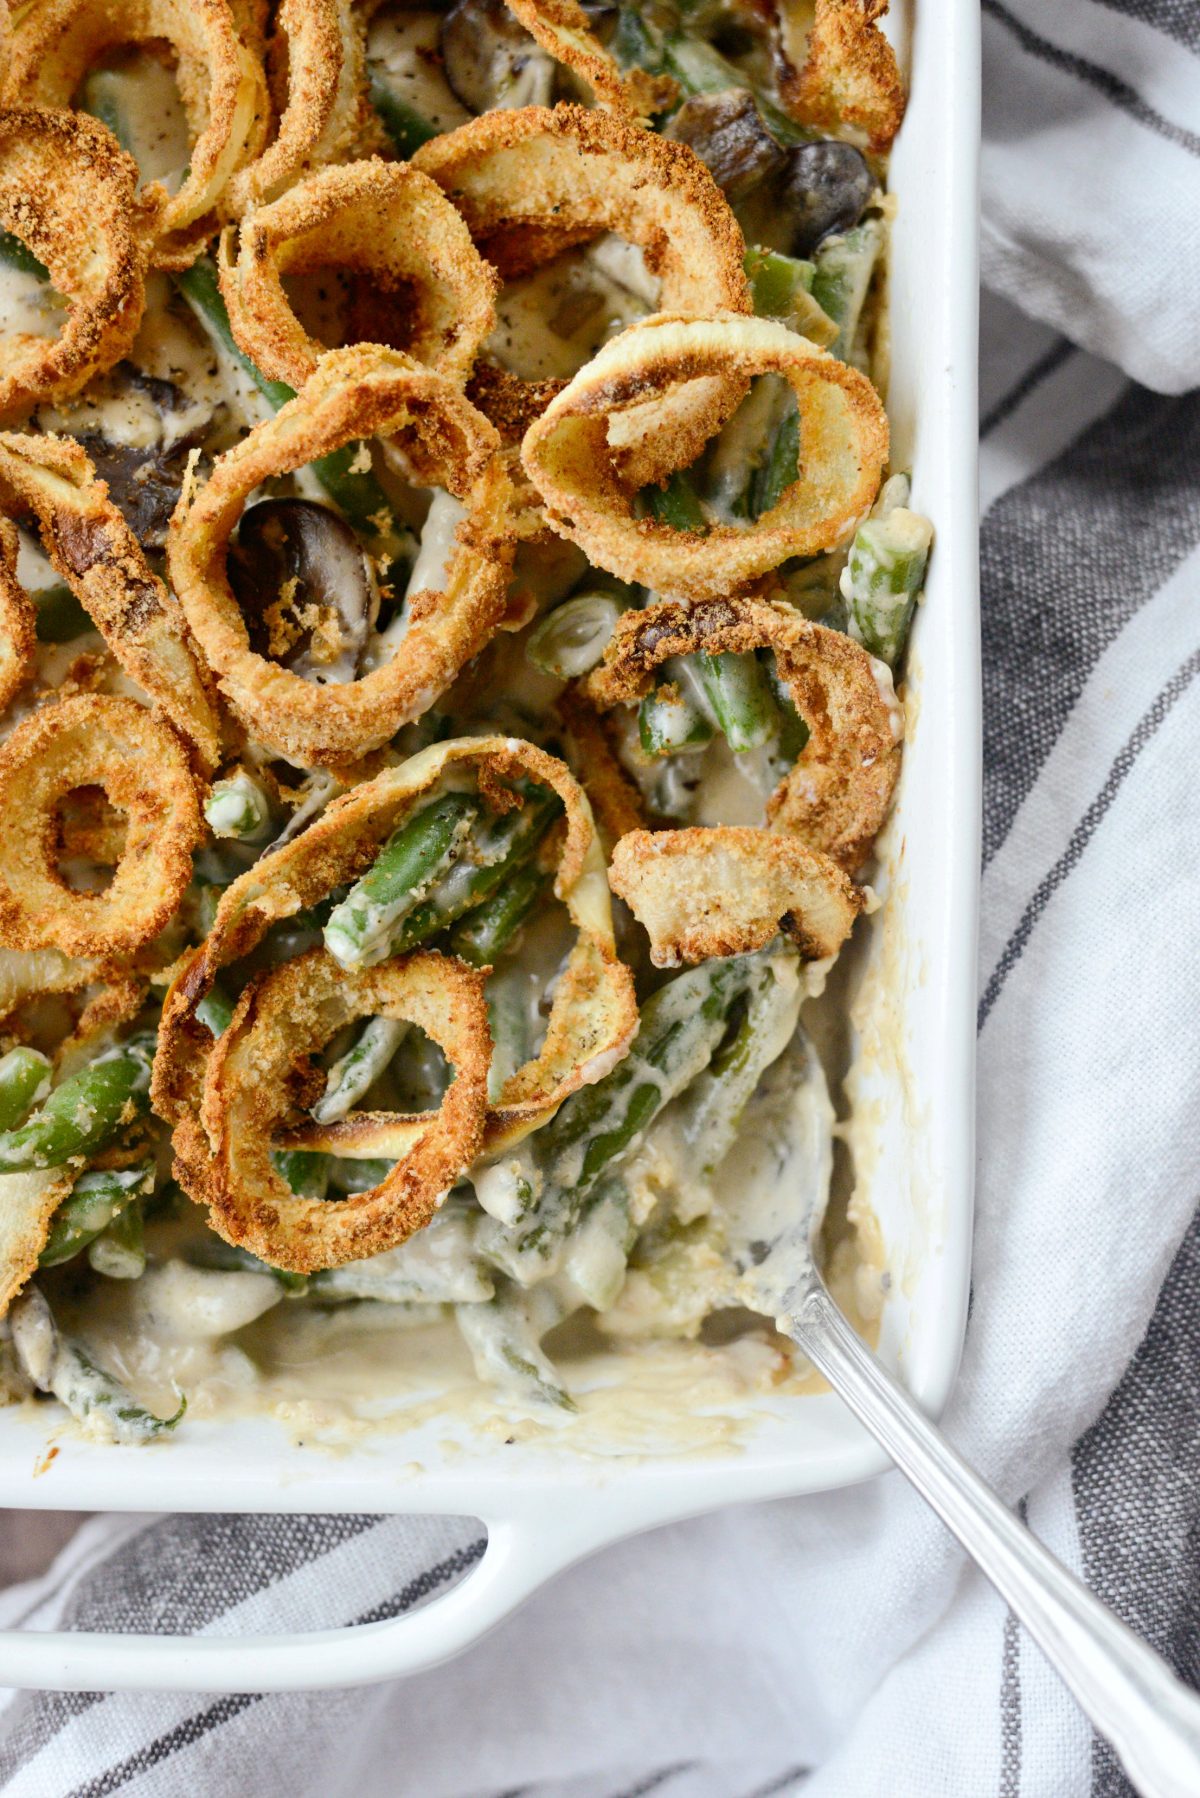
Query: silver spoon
[1128, 1691]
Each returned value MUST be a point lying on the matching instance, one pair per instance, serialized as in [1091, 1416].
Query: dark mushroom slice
[727, 133]
[144, 479]
[824, 190]
[304, 585]
[490, 59]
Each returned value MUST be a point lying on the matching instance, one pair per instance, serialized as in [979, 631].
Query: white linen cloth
[842, 1646]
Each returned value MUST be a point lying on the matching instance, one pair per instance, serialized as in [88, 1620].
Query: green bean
[677, 504]
[24, 1080]
[504, 1337]
[676, 717]
[681, 1026]
[779, 468]
[238, 808]
[740, 696]
[119, 1252]
[711, 1109]
[351, 1176]
[100, 96]
[86, 1112]
[481, 936]
[845, 266]
[437, 1266]
[57, 1364]
[441, 863]
[60, 615]
[407, 128]
[357, 494]
[597, 1253]
[226, 1257]
[699, 68]
[775, 281]
[15, 254]
[882, 578]
[572, 638]
[215, 1011]
[90, 1207]
[305, 1170]
[363, 929]
[358, 1069]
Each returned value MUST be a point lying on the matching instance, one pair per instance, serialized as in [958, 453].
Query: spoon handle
[1130, 1694]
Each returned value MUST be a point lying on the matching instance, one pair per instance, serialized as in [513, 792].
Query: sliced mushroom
[824, 189]
[491, 60]
[727, 133]
[303, 582]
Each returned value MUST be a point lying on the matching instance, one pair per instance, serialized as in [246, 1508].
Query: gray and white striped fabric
[842, 1647]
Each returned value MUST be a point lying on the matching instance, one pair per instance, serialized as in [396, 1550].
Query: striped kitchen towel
[842, 1647]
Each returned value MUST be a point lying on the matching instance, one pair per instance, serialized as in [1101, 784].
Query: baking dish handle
[521, 1555]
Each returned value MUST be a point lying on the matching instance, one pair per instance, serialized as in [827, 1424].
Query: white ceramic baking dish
[547, 1503]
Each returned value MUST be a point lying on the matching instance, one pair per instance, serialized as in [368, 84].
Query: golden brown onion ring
[67, 190]
[613, 797]
[27, 1203]
[386, 224]
[588, 468]
[563, 29]
[837, 69]
[282, 1019]
[727, 890]
[362, 392]
[221, 82]
[94, 551]
[535, 181]
[325, 104]
[836, 796]
[82, 741]
[594, 1013]
[18, 623]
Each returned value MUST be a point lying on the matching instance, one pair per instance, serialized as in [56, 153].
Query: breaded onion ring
[94, 551]
[282, 1019]
[68, 192]
[533, 182]
[326, 102]
[594, 1014]
[836, 796]
[221, 80]
[588, 468]
[361, 392]
[27, 1203]
[563, 29]
[18, 622]
[846, 74]
[729, 889]
[390, 226]
[613, 797]
[82, 741]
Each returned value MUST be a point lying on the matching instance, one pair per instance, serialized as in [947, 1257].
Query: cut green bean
[677, 504]
[119, 1252]
[94, 1201]
[882, 578]
[437, 1266]
[840, 286]
[597, 1252]
[359, 1068]
[215, 1011]
[60, 616]
[675, 717]
[482, 935]
[740, 696]
[711, 1109]
[305, 1170]
[237, 807]
[779, 467]
[572, 638]
[356, 492]
[86, 1112]
[505, 1340]
[365, 927]
[57, 1364]
[24, 1081]
[775, 281]
[699, 68]
[406, 127]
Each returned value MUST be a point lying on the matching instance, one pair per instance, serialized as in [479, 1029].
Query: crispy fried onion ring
[836, 68]
[564, 30]
[395, 231]
[837, 794]
[588, 471]
[27, 1203]
[594, 1014]
[728, 889]
[613, 796]
[362, 392]
[285, 1017]
[221, 83]
[94, 551]
[68, 192]
[320, 42]
[18, 624]
[533, 182]
[90, 740]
